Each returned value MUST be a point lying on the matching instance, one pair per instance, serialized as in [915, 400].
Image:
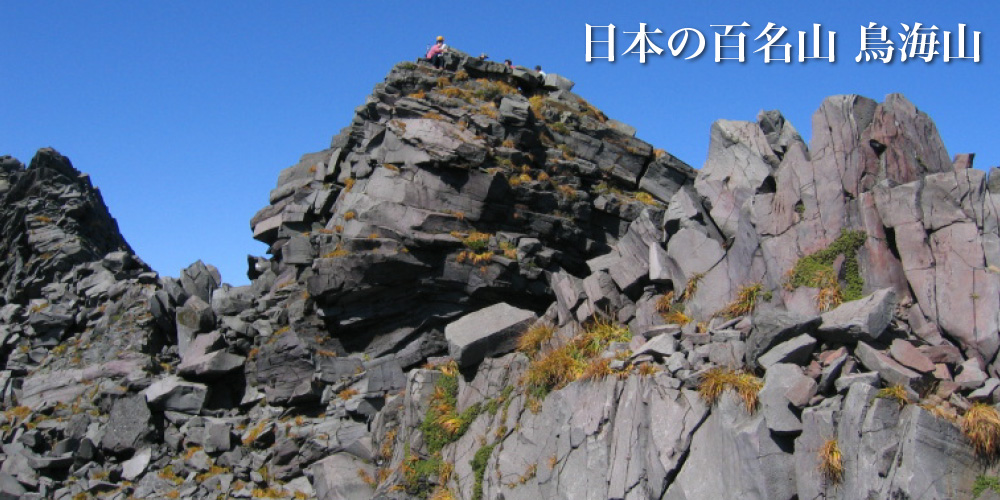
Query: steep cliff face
[485, 288]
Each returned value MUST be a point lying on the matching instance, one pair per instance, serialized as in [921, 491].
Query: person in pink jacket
[434, 54]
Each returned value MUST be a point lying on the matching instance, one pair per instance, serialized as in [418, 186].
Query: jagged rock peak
[456, 189]
[52, 218]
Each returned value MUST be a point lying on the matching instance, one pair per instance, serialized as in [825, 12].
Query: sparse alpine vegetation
[554, 368]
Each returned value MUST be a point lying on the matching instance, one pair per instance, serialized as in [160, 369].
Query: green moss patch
[984, 483]
[813, 269]
[478, 464]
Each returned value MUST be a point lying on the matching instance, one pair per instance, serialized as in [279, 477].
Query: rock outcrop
[485, 288]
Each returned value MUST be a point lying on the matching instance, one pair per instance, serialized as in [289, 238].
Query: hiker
[434, 54]
[539, 70]
[508, 63]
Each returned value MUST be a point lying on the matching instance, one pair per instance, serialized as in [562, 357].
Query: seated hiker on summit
[434, 54]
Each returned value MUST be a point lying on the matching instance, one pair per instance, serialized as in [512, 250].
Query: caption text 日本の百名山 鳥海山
[876, 43]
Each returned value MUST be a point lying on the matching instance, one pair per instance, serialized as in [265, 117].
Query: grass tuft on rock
[442, 493]
[671, 311]
[554, 369]
[717, 381]
[691, 287]
[746, 301]
[420, 476]
[831, 464]
[981, 426]
[532, 340]
[597, 369]
[896, 393]
[477, 242]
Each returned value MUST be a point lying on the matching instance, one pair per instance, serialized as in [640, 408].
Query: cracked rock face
[485, 288]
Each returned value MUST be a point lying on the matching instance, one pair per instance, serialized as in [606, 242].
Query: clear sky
[184, 112]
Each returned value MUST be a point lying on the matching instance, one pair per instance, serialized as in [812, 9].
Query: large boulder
[211, 365]
[933, 460]
[558, 82]
[859, 320]
[777, 409]
[130, 426]
[174, 394]
[775, 326]
[514, 110]
[796, 350]
[230, 301]
[887, 368]
[194, 317]
[200, 280]
[486, 332]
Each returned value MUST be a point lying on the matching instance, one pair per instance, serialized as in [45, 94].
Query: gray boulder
[772, 327]
[200, 280]
[887, 368]
[845, 382]
[230, 301]
[285, 369]
[514, 110]
[136, 466]
[859, 320]
[383, 377]
[910, 356]
[934, 459]
[174, 394]
[665, 176]
[194, 317]
[130, 425]
[211, 365]
[660, 346]
[486, 332]
[218, 436]
[11, 488]
[554, 81]
[796, 350]
[774, 404]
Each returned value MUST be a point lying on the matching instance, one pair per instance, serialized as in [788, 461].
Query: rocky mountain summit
[487, 289]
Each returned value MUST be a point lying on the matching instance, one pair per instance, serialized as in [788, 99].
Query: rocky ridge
[485, 288]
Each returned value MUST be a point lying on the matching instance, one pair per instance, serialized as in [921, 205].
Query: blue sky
[184, 112]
